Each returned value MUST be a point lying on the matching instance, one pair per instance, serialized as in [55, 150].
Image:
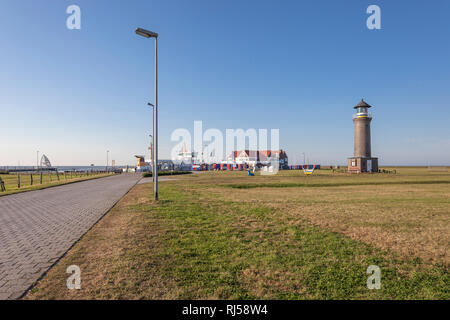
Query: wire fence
[19, 180]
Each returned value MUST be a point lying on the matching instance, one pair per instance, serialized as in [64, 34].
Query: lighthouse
[362, 160]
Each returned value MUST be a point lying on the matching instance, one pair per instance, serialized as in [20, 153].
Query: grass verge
[212, 247]
[12, 186]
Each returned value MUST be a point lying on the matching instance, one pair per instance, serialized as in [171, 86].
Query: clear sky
[299, 66]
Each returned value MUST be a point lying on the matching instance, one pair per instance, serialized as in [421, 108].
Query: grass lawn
[224, 235]
[48, 180]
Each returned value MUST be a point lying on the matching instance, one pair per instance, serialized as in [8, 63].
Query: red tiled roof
[261, 155]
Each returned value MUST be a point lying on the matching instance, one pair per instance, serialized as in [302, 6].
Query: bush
[165, 173]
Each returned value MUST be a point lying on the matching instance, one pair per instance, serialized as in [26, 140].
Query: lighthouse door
[369, 165]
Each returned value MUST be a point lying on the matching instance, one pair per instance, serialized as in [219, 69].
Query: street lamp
[150, 34]
[151, 155]
[203, 150]
[151, 136]
[151, 143]
[146, 33]
[107, 159]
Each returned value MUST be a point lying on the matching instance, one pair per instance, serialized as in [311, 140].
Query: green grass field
[224, 235]
[48, 180]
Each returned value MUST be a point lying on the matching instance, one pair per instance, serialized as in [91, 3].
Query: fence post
[41, 177]
[50, 175]
[31, 179]
[2, 184]
[57, 174]
[18, 180]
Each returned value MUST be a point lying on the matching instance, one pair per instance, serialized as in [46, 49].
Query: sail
[45, 162]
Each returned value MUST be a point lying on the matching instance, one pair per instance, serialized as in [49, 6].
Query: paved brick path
[38, 227]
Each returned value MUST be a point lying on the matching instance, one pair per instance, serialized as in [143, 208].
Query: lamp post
[107, 159]
[149, 34]
[37, 160]
[151, 143]
[203, 151]
[151, 155]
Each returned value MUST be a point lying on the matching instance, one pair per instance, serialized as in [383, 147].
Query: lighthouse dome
[362, 109]
[362, 104]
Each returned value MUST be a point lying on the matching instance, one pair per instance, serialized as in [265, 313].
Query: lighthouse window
[353, 162]
[362, 110]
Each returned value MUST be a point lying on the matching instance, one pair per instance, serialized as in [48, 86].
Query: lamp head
[146, 33]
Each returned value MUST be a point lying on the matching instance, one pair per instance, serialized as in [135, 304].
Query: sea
[61, 168]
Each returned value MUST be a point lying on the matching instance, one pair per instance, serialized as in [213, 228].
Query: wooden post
[18, 180]
[41, 177]
[2, 184]
[50, 175]
[57, 174]
[31, 179]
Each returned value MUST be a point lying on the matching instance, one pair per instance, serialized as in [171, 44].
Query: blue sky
[299, 66]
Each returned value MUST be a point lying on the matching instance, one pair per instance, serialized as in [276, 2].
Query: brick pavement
[38, 227]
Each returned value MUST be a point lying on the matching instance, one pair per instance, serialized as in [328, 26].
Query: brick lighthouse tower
[362, 160]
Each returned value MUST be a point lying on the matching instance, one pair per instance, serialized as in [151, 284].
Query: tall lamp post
[151, 143]
[151, 155]
[107, 160]
[149, 34]
[203, 150]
